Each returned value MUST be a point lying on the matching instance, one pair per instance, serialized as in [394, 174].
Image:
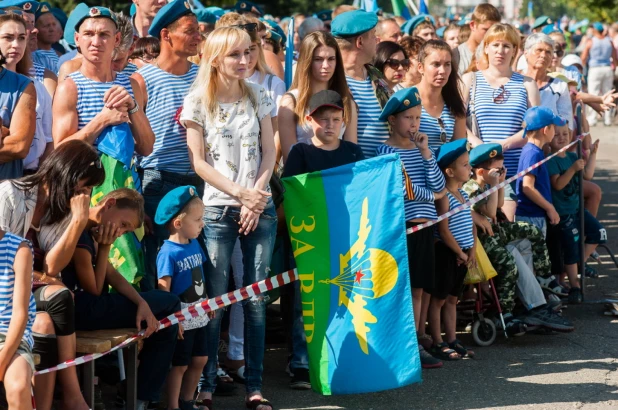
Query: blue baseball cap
[353, 23]
[539, 117]
[400, 101]
[173, 202]
[449, 152]
[168, 14]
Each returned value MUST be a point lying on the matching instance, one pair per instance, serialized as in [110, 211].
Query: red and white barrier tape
[486, 193]
[192, 311]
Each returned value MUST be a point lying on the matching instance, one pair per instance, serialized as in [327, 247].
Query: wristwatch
[135, 109]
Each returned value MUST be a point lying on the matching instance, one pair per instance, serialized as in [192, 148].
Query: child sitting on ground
[454, 252]
[17, 312]
[179, 268]
[403, 114]
[563, 169]
[534, 201]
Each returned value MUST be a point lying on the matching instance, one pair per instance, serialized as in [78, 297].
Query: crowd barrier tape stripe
[199, 309]
[485, 194]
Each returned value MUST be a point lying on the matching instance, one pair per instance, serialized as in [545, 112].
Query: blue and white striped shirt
[129, 69]
[430, 127]
[498, 122]
[37, 72]
[426, 179]
[46, 58]
[166, 93]
[8, 249]
[460, 224]
[90, 95]
[371, 131]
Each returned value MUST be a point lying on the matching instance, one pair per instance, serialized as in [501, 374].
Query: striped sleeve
[433, 176]
[422, 194]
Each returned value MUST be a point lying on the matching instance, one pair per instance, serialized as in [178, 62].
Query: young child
[325, 151]
[17, 313]
[454, 251]
[179, 267]
[563, 170]
[534, 201]
[403, 114]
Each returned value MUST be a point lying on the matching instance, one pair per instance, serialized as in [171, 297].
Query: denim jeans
[220, 232]
[115, 311]
[292, 308]
[155, 184]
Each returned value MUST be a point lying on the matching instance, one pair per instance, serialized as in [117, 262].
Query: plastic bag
[484, 269]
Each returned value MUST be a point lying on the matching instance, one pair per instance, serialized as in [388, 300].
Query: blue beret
[76, 15]
[484, 152]
[96, 12]
[449, 152]
[60, 16]
[276, 31]
[551, 29]
[542, 21]
[325, 15]
[217, 11]
[464, 21]
[204, 16]
[539, 117]
[133, 10]
[29, 6]
[44, 8]
[168, 14]
[173, 202]
[248, 7]
[353, 23]
[400, 101]
[440, 31]
[598, 26]
[409, 26]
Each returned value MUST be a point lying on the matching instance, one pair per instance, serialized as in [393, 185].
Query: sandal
[255, 403]
[444, 352]
[457, 346]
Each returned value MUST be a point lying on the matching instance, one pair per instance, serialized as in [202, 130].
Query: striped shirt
[371, 131]
[90, 95]
[9, 245]
[129, 69]
[166, 93]
[426, 179]
[498, 122]
[37, 72]
[431, 127]
[46, 58]
[460, 224]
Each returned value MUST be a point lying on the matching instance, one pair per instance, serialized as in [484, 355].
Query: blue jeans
[115, 311]
[220, 232]
[155, 184]
[292, 303]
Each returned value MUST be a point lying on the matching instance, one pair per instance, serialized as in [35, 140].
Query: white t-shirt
[43, 131]
[555, 96]
[275, 88]
[232, 139]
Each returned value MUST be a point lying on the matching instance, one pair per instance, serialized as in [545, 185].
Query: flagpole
[412, 6]
[289, 54]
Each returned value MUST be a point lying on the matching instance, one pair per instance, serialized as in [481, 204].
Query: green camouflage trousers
[503, 261]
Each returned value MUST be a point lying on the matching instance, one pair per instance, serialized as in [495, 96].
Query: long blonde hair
[219, 43]
[234, 19]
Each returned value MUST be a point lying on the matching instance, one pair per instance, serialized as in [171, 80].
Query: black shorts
[449, 276]
[193, 345]
[421, 257]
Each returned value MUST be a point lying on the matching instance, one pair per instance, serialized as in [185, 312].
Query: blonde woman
[231, 147]
[320, 67]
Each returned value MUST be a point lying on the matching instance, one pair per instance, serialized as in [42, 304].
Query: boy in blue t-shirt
[534, 201]
[179, 267]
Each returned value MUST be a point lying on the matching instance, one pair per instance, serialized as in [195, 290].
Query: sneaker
[553, 304]
[516, 327]
[551, 285]
[300, 380]
[427, 360]
[575, 296]
[544, 316]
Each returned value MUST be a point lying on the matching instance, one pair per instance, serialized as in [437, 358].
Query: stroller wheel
[484, 332]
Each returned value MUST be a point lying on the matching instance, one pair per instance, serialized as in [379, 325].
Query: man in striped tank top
[355, 33]
[50, 32]
[163, 86]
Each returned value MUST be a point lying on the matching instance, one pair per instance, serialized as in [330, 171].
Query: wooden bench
[99, 341]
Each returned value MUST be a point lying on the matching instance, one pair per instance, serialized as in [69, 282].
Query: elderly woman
[539, 52]
[499, 89]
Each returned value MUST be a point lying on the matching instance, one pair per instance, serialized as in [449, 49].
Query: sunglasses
[501, 95]
[559, 52]
[501, 170]
[16, 12]
[96, 163]
[442, 130]
[395, 64]
[249, 27]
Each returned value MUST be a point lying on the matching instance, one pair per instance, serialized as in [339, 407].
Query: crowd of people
[195, 104]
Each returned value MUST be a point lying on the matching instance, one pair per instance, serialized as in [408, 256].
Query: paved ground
[572, 371]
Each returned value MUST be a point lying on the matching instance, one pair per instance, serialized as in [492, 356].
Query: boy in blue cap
[454, 253]
[179, 267]
[563, 170]
[534, 202]
[403, 114]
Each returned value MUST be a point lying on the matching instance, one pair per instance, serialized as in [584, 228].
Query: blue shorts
[193, 345]
[569, 235]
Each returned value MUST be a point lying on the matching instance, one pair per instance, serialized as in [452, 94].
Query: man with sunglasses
[163, 85]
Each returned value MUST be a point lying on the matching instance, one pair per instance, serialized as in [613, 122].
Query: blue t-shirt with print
[183, 262]
[530, 155]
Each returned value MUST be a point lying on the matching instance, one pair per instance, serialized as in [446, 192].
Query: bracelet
[135, 109]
